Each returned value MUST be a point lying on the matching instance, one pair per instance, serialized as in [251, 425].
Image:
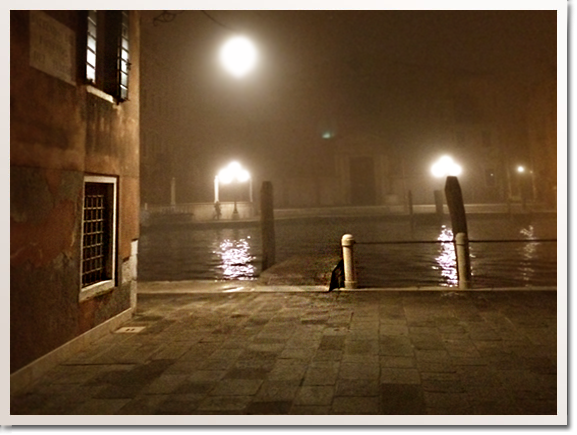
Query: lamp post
[238, 55]
[233, 173]
[522, 186]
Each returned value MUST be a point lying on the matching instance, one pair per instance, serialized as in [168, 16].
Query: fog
[396, 88]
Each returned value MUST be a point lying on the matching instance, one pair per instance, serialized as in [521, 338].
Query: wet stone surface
[364, 352]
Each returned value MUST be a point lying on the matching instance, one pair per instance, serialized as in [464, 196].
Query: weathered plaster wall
[58, 133]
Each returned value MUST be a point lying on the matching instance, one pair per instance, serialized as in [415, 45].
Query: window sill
[101, 94]
[95, 290]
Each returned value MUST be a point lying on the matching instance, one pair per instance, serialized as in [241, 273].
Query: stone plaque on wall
[52, 47]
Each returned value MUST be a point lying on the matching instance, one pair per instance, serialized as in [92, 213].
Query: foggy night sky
[347, 71]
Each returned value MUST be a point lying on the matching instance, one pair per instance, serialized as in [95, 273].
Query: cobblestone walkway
[369, 352]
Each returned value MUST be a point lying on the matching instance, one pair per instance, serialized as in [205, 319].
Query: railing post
[347, 243]
[463, 260]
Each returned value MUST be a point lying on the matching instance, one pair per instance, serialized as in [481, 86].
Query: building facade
[74, 178]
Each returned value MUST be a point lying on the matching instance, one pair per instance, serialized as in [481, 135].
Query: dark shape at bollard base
[338, 276]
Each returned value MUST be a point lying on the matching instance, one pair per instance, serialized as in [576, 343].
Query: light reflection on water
[227, 253]
[528, 253]
[236, 259]
[447, 259]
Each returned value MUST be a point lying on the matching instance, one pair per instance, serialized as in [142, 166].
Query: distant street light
[523, 183]
[234, 172]
[238, 55]
[444, 167]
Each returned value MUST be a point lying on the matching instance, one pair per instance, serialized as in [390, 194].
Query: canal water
[220, 253]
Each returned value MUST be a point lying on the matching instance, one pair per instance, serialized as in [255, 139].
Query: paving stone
[277, 391]
[217, 364]
[75, 374]
[328, 355]
[436, 366]
[100, 407]
[310, 410]
[299, 353]
[322, 373]
[28, 403]
[536, 407]
[119, 391]
[165, 384]
[363, 352]
[364, 347]
[206, 375]
[493, 406]
[447, 402]
[468, 361]
[268, 408]
[394, 329]
[360, 358]
[359, 370]
[236, 387]
[265, 365]
[432, 355]
[395, 346]
[194, 387]
[358, 387]
[402, 399]
[355, 405]
[427, 341]
[143, 404]
[314, 395]
[183, 367]
[332, 342]
[400, 376]
[224, 403]
[397, 361]
[287, 370]
[441, 385]
[266, 347]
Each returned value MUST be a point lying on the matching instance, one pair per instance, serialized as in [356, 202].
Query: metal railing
[461, 250]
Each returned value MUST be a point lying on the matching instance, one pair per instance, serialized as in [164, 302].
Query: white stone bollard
[463, 261]
[347, 243]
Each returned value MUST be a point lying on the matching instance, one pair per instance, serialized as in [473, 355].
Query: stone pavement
[309, 351]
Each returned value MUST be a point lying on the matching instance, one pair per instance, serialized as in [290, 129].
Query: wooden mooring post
[267, 225]
[459, 225]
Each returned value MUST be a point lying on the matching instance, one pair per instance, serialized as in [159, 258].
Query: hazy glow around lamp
[238, 55]
[234, 172]
[445, 166]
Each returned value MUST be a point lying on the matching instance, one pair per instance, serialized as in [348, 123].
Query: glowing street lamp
[238, 55]
[520, 169]
[234, 172]
[445, 166]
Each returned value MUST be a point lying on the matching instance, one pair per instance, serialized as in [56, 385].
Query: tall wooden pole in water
[459, 223]
[267, 225]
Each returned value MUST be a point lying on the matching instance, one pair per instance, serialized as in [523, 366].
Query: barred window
[98, 232]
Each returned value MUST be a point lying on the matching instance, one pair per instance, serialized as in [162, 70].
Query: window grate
[96, 234]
